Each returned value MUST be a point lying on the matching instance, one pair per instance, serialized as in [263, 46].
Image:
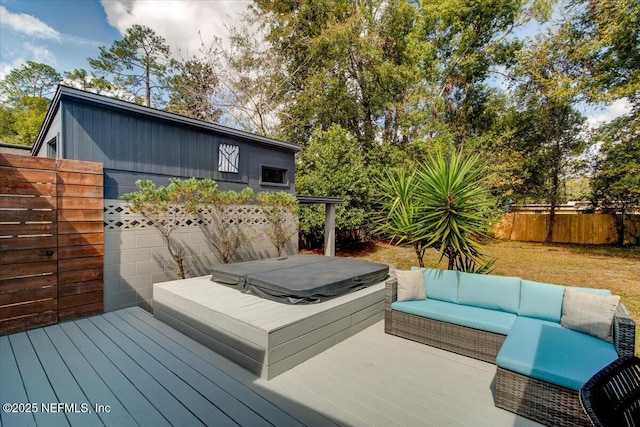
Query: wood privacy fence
[587, 229]
[51, 241]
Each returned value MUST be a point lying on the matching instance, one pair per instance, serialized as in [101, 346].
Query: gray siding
[135, 147]
[54, 131]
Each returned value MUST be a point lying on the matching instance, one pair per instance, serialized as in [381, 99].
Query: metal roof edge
[68, 92]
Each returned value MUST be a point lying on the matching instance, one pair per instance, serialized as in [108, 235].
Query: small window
[228, 158]
[52, 149]
[271, 175]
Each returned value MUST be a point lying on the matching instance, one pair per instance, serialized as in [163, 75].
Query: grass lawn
[617, 269]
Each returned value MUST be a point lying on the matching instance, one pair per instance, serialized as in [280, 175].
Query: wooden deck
[150, 374]
[264, 336]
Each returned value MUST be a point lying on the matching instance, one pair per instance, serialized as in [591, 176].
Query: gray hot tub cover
[300, 278]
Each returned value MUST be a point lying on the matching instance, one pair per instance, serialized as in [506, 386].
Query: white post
[330, 230]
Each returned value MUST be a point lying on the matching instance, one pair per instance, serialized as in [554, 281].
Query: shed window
[52, 149]
[271, 175]
[228, 158]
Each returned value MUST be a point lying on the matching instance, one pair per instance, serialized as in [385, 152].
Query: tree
[616, 181]
[218, 212]
[193, 90]
[346, 63]
[167, 208]
[443, 204]
[79, 78]
[278, 208]
[331, 165]
[551, 127]
[138, 62]
[32, 80]
[24, 93]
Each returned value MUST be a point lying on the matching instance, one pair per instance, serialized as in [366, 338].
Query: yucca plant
[454, 209]
[399, 211]
[444, 205]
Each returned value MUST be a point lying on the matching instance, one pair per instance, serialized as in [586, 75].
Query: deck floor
[150, 374]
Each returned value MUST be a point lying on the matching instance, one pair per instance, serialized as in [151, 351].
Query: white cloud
[5, 68]
[28, 25]
[183, 24]
[39, 54]
[611, 112]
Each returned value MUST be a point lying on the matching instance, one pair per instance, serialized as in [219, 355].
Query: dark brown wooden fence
[586, 229]
[51, 241]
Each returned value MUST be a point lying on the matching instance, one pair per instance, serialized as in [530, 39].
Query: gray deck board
[152, 374]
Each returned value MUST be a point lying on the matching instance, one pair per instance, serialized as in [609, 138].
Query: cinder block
[112, 257]
[117, 271]
[111, 286]
[197, 237]
[149, 239]
[149, 267]
[118, 240]
[135, 282]
[163, 277]
[136, 255]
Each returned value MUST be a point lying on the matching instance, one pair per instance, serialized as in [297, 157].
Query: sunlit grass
[617, 269]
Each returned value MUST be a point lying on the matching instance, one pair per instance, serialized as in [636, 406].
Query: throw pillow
[411, 285]
[589, 313]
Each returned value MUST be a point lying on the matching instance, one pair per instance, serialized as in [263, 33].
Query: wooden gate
[51, 241]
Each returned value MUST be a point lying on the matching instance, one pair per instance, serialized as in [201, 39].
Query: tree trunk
[553, 201]
[147, 82]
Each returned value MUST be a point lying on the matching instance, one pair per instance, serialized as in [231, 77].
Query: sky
[64, 33]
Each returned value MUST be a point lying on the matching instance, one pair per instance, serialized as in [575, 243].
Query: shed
[137, 142]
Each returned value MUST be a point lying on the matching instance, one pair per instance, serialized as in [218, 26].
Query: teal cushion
[492, 292]
[498, 322]
[541, 300]
[548, 352]
[441, 284]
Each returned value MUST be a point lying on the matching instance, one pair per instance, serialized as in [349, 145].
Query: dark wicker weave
[447, 336]
[612, 396]
[538, 400]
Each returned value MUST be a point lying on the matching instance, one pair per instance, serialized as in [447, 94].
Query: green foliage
[279, 209]
[167, 208]
[331, 165]
[220, 209]
[444, 204]
[138, 62]
[20, 124]
[32, 80]
[193, 89]
[80, 79]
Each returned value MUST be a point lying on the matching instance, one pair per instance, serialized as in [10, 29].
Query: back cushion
[541, 300]
[493, 292]
[441, 284]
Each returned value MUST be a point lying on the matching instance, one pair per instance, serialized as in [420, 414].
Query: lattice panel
[117, 216]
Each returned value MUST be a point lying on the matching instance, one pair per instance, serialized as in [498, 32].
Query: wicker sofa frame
[532, 398]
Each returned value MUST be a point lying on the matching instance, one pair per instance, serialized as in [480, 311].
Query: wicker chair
[612, 396]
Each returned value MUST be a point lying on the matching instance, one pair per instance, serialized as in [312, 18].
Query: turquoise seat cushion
[541, 300]
[548, 352]
[498, 322]
[487, 291]
[440, 284]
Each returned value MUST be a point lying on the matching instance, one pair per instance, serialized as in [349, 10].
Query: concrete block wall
[136, 256]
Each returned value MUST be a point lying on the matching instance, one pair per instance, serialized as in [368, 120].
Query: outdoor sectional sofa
[515, 324]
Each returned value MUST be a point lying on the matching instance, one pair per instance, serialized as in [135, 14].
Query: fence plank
[80, 299]
[79, 166]
[27, 255]
[79, 203]
[80, 251]
[27, 269]
[32, 307]
[9, 298]
[26, 162]
[80, 239]
[80, 227]
[27, 283]
[9, 174]
[19, 215]
[80, 311]
[13, 243]
[81, 215]
[27, 229]
[27, 188]
[72, 190]
[80, 288]
[87, 275]
[18, 324]
[27, 202]
[80, 263]
[79, 178]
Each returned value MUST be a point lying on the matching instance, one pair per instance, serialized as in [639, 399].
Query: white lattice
[117, 216]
